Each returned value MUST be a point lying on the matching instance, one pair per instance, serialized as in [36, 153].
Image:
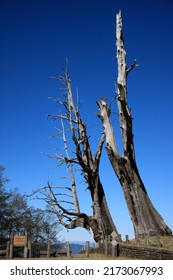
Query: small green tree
[17, 217]
[4, 196]
[17, 212]
[43, 226]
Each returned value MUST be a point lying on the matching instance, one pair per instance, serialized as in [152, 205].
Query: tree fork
[145, 218]
[101, 221]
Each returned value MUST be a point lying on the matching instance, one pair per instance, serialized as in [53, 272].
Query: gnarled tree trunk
[100, 222]
[146, 220]
[101, 211]
[89, 164]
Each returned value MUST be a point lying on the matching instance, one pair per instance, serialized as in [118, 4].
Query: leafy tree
[17, 211]
[44, 226]
[17, 217]
[4, 196]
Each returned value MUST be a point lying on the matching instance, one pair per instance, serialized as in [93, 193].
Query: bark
[145, 218]
[99, 204]
[90, 170]
[70, 168]
[101, 221]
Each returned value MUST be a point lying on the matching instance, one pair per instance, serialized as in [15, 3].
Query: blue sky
[36, 38]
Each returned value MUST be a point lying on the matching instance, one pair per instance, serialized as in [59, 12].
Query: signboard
[19, 240]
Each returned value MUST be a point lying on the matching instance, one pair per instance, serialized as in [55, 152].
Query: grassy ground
[92, 256]
[165, 242]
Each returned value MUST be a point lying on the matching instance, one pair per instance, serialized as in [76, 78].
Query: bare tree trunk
[90, 170]
[146, 220]
[101, 221]
[100, 208]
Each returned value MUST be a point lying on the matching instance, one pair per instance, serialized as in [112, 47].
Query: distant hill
[75, 247]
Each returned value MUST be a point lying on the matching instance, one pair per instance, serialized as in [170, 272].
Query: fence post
[8, 249]
[137, 241]
[68, 249]
[114, 247]
[113, 250]
[25, 255]
[147, 241]
[48, 248]
[158, 242]
[127, 239]
[11, 251]
[29, 249]
[11, 246]
[26, 238]
[117, 250]
[11, 238]
[87, 248]
[106, 247]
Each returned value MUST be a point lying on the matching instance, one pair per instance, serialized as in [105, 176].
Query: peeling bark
[145, 218]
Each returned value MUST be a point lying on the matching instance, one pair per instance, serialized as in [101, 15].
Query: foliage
[4, 196]
[16, 216]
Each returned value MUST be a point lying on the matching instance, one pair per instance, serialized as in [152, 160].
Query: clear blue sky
[36, 38]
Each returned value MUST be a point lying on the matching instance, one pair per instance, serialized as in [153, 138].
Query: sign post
[19, 241]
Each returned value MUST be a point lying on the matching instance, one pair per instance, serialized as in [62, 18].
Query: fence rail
[25, 250]
[109, 247]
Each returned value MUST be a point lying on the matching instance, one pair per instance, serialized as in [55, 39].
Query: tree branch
[104, 115]
[134, 64]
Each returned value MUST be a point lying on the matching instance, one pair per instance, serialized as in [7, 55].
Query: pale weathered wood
[146, 220]
[127, 239]
[29, 248]
[100, 221]
[8, 249]
[11, 251]
[106, 247]
[25, 255]
[87, 248]
[48, 248]
[68, 249]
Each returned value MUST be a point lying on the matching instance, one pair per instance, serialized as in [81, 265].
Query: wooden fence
[17, 241]
[110, 247]
[22, 242]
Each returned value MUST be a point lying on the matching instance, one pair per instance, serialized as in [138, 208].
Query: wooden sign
[19, 240]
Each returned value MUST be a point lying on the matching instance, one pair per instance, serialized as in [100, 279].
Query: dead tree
[88, 162]
[64, 199]
[146, 220]
[100, 222]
